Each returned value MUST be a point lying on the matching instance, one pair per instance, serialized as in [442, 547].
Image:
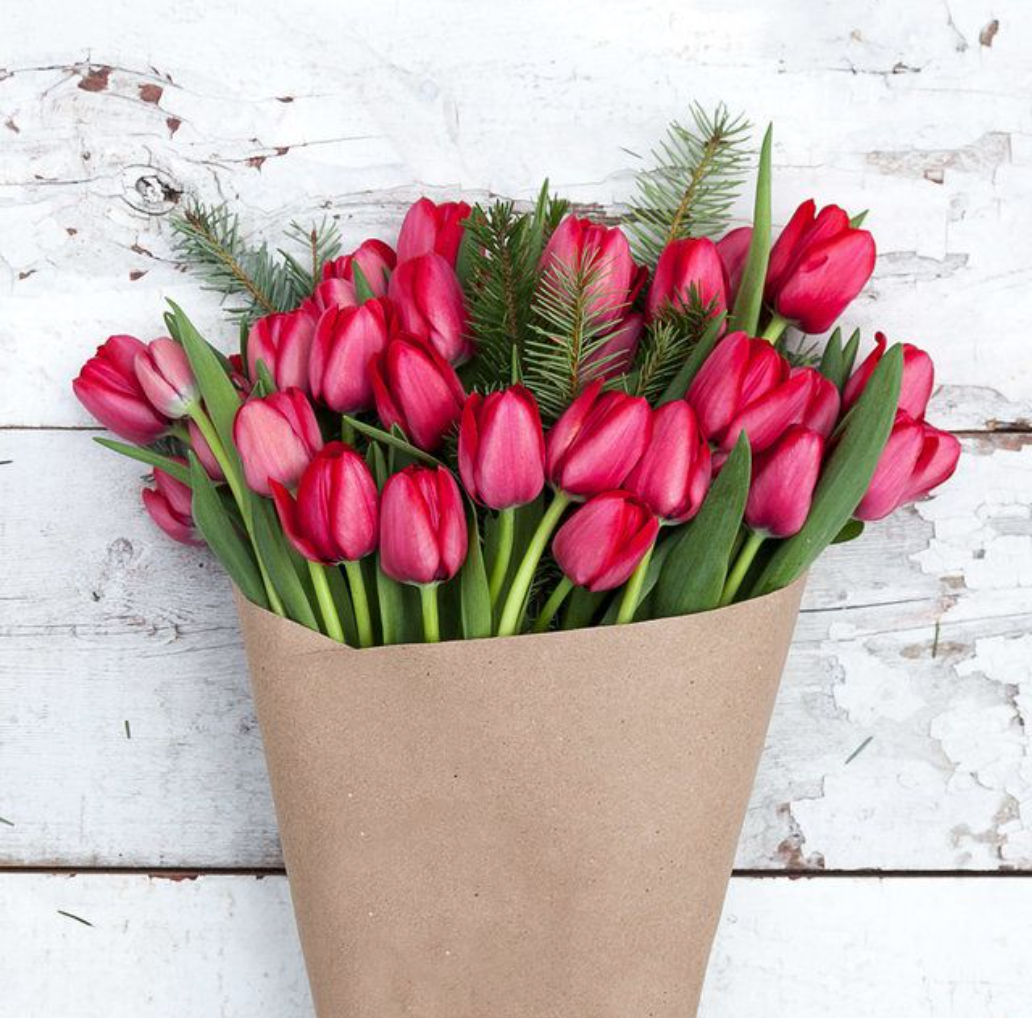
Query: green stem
[431, 621]
[360, 602]
[775, 327]
[500, 567]
[741, 567]
[632, 592]
[553, 604]
[515, 603]
[334, 630]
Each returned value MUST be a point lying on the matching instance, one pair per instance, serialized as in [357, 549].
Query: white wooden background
[139, 866]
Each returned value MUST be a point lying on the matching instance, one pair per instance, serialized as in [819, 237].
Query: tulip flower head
[374, 259]
[686, 267]
[918, 378]
[430, 305]
[282, 342]
[433, 229]
[202, 450]
[784, 478]
[110, 390]
[168, 505]
[733, 249]
[164, 371]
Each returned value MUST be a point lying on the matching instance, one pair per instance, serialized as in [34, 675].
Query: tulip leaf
[216, 526]
[850, 532]
[749, 302]
[272, 547]
[264, 382]
[858, 220]
[396, 441]
[837, 360]
[678, 387]
[476, 596]
[363, 291]
[142, 455]
[692, 578]
[849, 352]
[845, 477]
[342, 602]
[581, 606]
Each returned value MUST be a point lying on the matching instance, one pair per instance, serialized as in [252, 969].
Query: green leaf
[837, 360]
[749, 303]
[278, 564]
[850, 532]
[849, 352]
[680, 383]
[218, 529]
[363, 291]
[476, 597]
[264, 379]
[845, 476]
[342, 602]
[142, 455]
[652, 574]
[858, 220]
[392, 439]
[581, 607]
[692, 578]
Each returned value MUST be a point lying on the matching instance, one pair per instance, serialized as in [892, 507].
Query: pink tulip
[376, 261]
[422, 526]
[733, 249]
[432, 229]
[330, 293]
[335, 517]
[282, 342]
[817, 266]
[203, 452]
[430, 304]
[346, 340]
[417, 389]
[673, 475]
[918, 378]
[686, 266]
[784, 478]
[616, 354]
[501, 448]
[601, 544]
[168, 505]
[276, 436]
[597, 441]
[163, 371]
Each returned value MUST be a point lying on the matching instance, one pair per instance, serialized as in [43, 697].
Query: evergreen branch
[666, 345]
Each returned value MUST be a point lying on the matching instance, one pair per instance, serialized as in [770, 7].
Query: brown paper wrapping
[534, 827]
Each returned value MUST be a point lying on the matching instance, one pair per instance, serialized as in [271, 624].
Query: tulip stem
[741, 567]
[775, 327]
[516, 602]
[334, 630]
[553, 604]
[503, 554]
[632, 592]
[431, 620]
[360, 602]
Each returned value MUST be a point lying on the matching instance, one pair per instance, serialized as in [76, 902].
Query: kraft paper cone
[533, 827]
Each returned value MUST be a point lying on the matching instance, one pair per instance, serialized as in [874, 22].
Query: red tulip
[783, 481]
[685, 266]
[282, 342]
[817, 266]
[601, 544]
[432, 229]
[330, 293]
[276, 436]
[918, 378]
[673, 475]
[346, 340]
[375, 260]
[501, 448]
[163, 370]
[430, 304]
[616, 354]
[335, 517]
[203, 452]
[168, 505]
[733, 249]
[597, 441]
[417, 389]
[422, 526]
[107, 386]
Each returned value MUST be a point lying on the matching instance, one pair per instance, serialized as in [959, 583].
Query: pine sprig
[666, 345]
[321, 244]
[696, 176]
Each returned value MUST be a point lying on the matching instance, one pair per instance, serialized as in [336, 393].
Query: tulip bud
[282, 342]
[346, 339]
[673, 475]
[601, 544]
[417, 389]
[335, 517]
[164, 372]
[782, 484]
[597, 441]
[276, 436]
[685, 266]
[422, 526]
[168, 505]
[432, 229]
[501, 448]
[817, 266]
[107, 386]
[616, 353]
[203, 452]
[733, 249]
[430, 305]
[375, 260]
[918, 378]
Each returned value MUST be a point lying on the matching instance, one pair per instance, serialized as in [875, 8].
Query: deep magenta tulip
[346, 339]
[616, 354]
[276, 436]
[422, 526]
[107, 386]
[430, 304]
[417, 389]
[817, 266]
[203, 452]
[733, 249]
[501, 448]
[432, 229]
[918, 378]
[168, 505]
[375, 260]
[335, 517]
[282, 342]
[601, 544]
[164, 372]
[673, 475]
[783, 481]
[686, 265]
[597, 441]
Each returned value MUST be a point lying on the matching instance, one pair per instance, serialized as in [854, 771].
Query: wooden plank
[227, 945]
[914, 649]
